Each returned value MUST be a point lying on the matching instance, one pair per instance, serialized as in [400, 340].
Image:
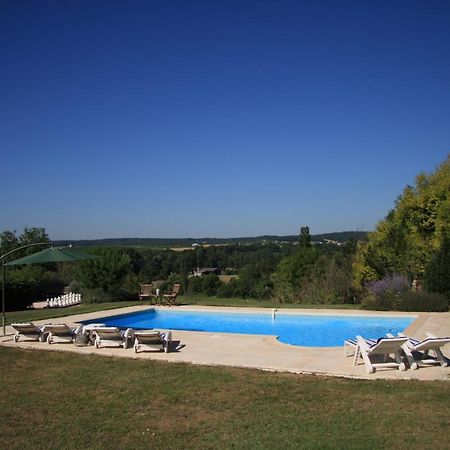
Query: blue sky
[217, 118]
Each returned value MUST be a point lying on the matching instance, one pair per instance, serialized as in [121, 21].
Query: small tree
[305, 237]
[106, 272]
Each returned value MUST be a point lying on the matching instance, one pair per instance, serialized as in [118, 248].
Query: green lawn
[41, 314]
[254, 303]
[62, 400]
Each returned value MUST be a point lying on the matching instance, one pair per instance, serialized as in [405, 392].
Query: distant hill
[341, 236]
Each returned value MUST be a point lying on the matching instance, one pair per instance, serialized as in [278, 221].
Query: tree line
[404, 264]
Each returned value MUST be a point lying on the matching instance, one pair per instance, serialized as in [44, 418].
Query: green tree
[106, 272]
[25, 284]
[9, 240]
[437, 273]
[295, 268]
[305, 237]
[406, 240]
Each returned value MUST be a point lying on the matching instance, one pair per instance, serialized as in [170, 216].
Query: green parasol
[53, 254]
[49, 255]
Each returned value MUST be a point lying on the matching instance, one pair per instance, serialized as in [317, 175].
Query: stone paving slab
[257, 351]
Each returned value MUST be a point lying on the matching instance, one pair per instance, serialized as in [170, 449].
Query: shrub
[416, 301]
[75, 287]
[283, 292]
[391, 284]
[207, 284]
[422, 301]
[227, 290]
[437, 273]
[97, 295]
[30, 283]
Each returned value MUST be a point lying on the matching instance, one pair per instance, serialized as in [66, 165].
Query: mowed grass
[58, 400]
[254, 303]
[48, 313]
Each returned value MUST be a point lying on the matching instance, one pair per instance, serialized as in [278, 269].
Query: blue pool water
[304, 330]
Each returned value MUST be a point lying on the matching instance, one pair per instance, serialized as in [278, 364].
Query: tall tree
[406, 240]
[9, 240]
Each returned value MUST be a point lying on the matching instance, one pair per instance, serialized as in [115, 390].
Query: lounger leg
[355, 358]
[368, 364]
[399, 361]
[441, 358]
[168, 343]
[409, 356]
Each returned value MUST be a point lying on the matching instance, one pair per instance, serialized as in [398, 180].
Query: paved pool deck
[257, 351]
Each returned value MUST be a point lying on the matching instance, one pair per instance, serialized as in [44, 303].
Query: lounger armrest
[129, 333]
[362, 343]
[128, 336]
[167, 341]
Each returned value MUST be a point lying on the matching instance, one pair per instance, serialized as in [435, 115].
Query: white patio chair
[27, 330]
[59, 333]
[152, 340]
[417, 350]
[112, 337]
[367, 348]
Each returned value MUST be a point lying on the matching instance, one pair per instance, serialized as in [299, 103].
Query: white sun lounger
[27, 330]
[416, 350]
[152, 340]
[59, 333]
[112, 337]
[367, 348]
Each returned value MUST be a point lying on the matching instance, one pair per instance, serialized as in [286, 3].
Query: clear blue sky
[217, 118]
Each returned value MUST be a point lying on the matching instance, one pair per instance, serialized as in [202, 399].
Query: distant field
[227, 278]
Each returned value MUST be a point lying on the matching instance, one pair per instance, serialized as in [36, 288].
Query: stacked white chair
[63, 301]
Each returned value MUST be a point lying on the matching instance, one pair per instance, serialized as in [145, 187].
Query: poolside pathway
[260, 352]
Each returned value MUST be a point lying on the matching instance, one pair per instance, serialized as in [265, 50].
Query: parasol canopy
[53, 254]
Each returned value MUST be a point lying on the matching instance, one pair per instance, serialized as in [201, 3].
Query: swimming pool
[294, 329]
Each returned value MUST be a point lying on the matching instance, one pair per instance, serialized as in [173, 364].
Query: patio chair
[170, 297]
[367, 348]
[152, 340]
[59, 333]
[112, 337]
[416, 350]
[146, 292]
[27, 330]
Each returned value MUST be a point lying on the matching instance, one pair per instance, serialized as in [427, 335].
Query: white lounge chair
[152, 340]
[27, 330]
[367, 348]
[112, 337]
[59, 333]
[416, 350]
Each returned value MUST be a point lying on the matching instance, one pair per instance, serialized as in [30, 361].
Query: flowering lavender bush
[391, 284]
